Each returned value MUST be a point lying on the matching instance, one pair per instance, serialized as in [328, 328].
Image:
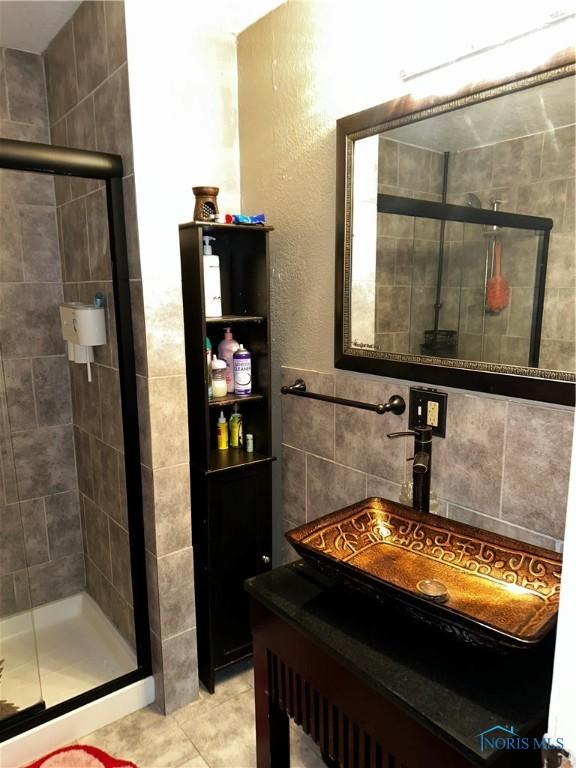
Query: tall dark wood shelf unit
[231, 490]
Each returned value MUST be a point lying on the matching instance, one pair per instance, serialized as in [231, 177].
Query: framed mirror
[455, 260]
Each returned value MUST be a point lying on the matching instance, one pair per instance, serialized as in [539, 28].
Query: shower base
[78, 649]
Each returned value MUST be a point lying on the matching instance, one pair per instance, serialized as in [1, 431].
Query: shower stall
[73, 601]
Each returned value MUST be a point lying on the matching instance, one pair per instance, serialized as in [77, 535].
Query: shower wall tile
[113, 126]
[12, 548]
[61, 80]
[120, 557]
[63, 524]
[75, 263]
[558, 153]
[29, 319]
[520, 158]
[23, 132]
[175, 575]
[52, 390]
[110, 400]
[35, 533]
[26, 188]
[105, 473]
[90, 41]
[98, 537]
[115, 34]
[20, 394]
[39, 237]
[25, 87]
[167, 508]
[11, 269]
[44, 460]
[84, 464]
[98, 236]
[132, 241]
[86, 399]
[57, 579]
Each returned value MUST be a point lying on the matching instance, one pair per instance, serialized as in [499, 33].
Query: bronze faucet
[422, 466]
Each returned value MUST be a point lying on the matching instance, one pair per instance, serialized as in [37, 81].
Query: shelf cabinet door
[240, 548]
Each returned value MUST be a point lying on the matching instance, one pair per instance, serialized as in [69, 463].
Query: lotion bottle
[212, 291]
[226, 350]
[222, 432]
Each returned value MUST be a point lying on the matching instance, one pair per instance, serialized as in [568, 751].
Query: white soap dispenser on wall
[212, 291]
[83, 328]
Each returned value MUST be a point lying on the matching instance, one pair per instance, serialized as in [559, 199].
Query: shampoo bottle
[226, 350]
[212, 294]
[236, 433]
[222, 432]
[242, 371]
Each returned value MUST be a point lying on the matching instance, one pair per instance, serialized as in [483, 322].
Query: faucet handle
[422, 432]
[392, 435]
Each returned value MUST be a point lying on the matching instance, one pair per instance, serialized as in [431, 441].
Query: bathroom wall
[189, 137]
[87, 83]
[37, 466]
[292, 62]
[534, 175]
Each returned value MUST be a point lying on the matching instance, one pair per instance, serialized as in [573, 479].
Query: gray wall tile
[177, 608]
[12, 548]
[294, 485]
[309, 424]
[86, 399]
[3, 93]
[536, 468]
[75, 261]
[113, 127]
[26, 188]
[98, 236]
[29, 319]
[179, 665]
[35, 532]
[44, 460]
[60, 62]
[57, 579]
[383, 489]
[356, 429]
[52, 390]
[25, 85]
[39, 236]
[331, 486]
[98, 537]
[115, 34]
[467, 466]
[499, 526]
[168, 411]
[120, 555]
[90, 45]
[167, 508]
[20, 394]
[112, 433]
[11, 268]
[105, 473]
[63, 524]
[84, 461]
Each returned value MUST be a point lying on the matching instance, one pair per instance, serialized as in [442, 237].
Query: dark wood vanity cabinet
[230, 490]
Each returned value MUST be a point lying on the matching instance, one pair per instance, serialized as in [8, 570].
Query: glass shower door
[20, 687]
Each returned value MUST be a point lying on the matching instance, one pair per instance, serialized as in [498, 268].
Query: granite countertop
[454, 690]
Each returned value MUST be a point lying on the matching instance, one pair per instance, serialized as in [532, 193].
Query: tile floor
[213, 732]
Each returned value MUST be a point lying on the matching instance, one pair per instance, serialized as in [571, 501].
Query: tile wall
[88, 92]
[533, 175]
[37, 465]
[493, 469]
[85, 90]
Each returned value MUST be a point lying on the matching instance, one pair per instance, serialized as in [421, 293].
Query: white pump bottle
[212, 291]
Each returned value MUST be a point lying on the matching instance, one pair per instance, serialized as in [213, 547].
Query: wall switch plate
[428, 406]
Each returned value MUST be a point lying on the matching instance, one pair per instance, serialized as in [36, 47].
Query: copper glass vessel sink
[484, 588]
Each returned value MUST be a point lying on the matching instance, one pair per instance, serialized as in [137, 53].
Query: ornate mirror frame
[508, 380]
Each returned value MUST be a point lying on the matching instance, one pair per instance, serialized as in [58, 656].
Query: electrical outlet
[428, 407]
[433, 411]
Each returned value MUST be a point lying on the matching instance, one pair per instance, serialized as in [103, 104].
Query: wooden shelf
[220, 402]
[235, 319]
[213, 225]
[232, 458]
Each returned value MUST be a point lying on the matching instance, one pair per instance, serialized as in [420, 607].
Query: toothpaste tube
[238, 218]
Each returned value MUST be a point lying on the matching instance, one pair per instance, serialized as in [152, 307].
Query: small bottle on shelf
[236, 432]
[242, 371]
[222, 433]
[219, 387]
[249, 443]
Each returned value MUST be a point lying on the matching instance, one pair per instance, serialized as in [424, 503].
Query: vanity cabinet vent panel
[230, 490]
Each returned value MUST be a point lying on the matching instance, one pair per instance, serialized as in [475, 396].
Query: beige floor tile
[304, 753]
[147, 738]
[196, 762]
[231, 682]
[224, 734]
